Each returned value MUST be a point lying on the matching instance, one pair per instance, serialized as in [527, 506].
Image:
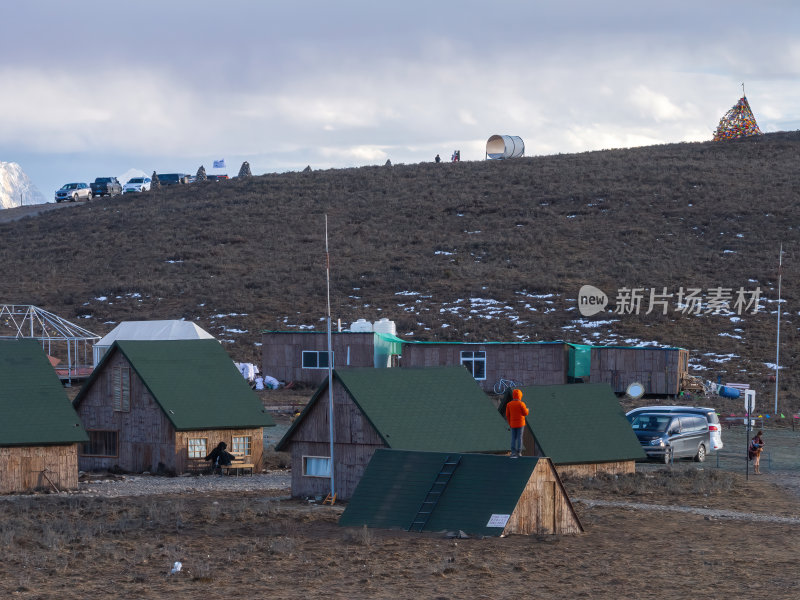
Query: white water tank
[505, 146]
[361, 326]
[385, 326]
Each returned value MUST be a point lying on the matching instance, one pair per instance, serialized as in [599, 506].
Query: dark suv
[666, 435]
[172, 178]
[106, 186]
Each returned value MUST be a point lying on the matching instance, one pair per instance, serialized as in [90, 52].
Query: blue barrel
[728, 392]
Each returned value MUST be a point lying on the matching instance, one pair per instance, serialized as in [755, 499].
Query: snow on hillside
[130, 174]
[15, 187]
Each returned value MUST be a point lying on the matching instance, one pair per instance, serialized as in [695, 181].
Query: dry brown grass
[650, 217]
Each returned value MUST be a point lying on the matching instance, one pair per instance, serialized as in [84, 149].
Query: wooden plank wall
[543, 507]
[526, 364]
[214, 437]
[146, 436]
[592, 469]
[659, 370]
[354, 443]
[282, 353]
[23, 466]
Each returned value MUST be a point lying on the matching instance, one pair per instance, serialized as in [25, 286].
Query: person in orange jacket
[516, 411]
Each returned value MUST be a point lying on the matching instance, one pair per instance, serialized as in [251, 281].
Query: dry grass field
[261, 545]
[455, 251]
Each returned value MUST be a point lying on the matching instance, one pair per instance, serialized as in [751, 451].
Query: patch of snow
[772, 366]
[730, 335]
[102, 298]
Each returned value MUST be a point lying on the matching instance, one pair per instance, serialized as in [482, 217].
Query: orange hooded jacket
[516, 411]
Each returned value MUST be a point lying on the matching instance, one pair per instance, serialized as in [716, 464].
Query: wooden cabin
[526, 363]
[479, 494]
[302, 356]
[581, 427]
[40, 431]
[164, 405]
[659, 370]
[437, 409]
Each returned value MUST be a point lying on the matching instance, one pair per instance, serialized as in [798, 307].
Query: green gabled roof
[395, 484]
[34, 409]
[580, 423]
[436, 409]
[194, 381]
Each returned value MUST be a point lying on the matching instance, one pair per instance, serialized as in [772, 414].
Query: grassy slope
[659, 216]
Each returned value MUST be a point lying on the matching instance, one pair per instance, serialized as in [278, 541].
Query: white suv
[137, 184]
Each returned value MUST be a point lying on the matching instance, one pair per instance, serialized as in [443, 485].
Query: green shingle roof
[194, 381]
[437, 409]
[580, 423]
[34, 409]
[395, 484]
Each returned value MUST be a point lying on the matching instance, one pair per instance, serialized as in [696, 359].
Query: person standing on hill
[516, 411]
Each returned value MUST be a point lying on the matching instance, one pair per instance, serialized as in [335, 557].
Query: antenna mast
[330, 359]
[778, 338]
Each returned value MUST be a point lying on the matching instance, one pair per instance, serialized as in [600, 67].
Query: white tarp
[149, 330]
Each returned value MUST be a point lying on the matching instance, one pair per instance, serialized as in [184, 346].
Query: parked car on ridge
[73, 192]
[172, 178]
[137, 184]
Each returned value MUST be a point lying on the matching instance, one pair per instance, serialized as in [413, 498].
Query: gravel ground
[115, 486]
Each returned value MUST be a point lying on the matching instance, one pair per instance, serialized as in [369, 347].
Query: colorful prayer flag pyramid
[737, 122]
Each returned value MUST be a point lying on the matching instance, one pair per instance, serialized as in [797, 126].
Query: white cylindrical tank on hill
[505, 146]
[385, 326]
[361, 326]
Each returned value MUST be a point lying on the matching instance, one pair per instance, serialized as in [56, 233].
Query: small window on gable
[121, 388]
[475, 362]
[316, 466]
[313, 359]
[198, 447]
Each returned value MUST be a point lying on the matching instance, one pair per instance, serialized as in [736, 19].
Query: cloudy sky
[94, 88]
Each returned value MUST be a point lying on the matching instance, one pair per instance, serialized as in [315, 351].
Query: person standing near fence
[754, 451]
[516, 411]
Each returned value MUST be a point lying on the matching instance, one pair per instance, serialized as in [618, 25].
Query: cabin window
[313, 359]
[101, 443]
[121, 387]
[475, 363]
[198, 447]
[242, 445]
[316, 466]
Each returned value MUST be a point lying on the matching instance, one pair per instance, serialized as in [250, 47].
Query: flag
[219, 164]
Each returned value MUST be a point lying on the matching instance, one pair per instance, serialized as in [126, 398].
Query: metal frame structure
[57, 335]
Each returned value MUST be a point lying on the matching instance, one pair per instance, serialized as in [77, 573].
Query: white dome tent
[149, 330]
[504, 146]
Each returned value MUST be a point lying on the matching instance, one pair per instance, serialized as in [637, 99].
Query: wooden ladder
[435, 493]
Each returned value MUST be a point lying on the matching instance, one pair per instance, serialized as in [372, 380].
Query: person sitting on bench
[220, 457]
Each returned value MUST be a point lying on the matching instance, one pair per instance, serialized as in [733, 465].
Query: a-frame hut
[438, 409]
[581, 427]
[475, 493]
[164, 404]
[39, 430]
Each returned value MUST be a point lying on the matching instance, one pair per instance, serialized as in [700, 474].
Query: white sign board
[498, 520]
[749, 401]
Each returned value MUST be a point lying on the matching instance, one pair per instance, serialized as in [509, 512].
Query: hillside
[456, 251]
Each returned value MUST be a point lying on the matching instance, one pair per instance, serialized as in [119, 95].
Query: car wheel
[89, 196]
[58, 200]
[667, 456]
[74, 197]
[701, 453]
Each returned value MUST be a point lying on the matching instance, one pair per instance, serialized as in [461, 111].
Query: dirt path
[20, 212]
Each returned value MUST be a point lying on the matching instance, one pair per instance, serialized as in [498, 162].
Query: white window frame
[242, 444]
[315, 460]
[197, 450]
[469, 358]
[315, 352]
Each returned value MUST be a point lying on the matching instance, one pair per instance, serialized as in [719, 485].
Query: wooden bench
[238, 465]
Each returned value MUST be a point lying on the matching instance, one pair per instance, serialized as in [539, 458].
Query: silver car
[714, 428]
[74, 191]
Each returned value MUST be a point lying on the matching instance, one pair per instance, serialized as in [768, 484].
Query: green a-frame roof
[194, 382]
[395, 484]
[437, 409]
[34, 409]
[580, 423]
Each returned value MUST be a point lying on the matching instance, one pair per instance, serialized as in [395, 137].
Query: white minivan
[714, 430]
